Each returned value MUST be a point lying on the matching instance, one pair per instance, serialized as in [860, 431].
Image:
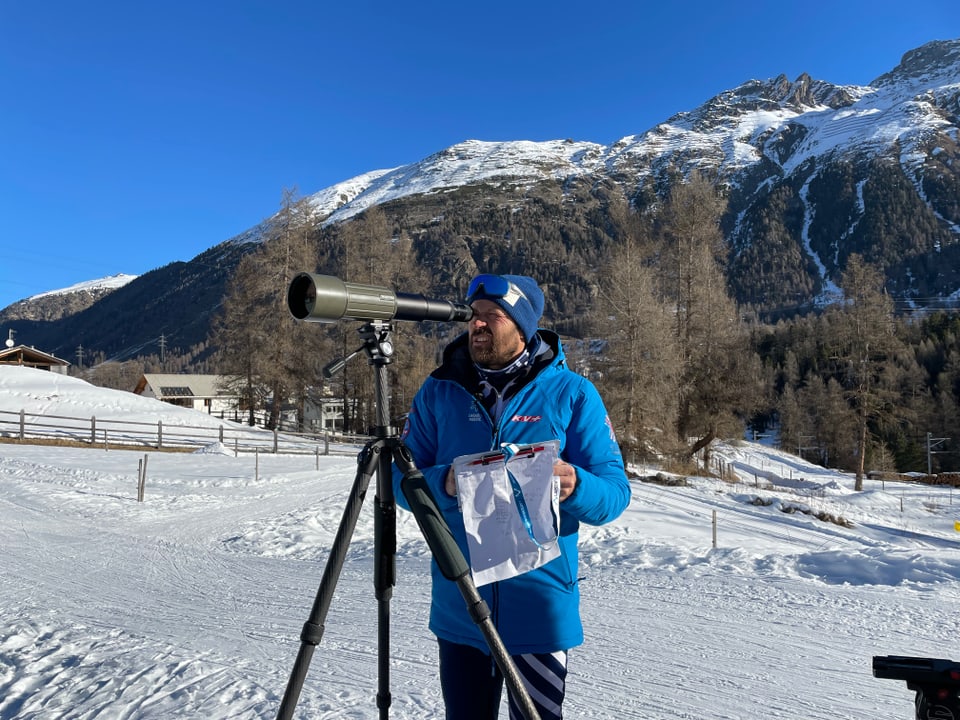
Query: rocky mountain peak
[936, 59]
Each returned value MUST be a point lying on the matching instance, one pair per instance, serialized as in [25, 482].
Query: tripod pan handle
[445, 550]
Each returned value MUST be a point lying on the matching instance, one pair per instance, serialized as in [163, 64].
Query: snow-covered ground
[190, 604]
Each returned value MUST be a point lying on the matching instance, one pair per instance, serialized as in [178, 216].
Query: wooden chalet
[31, 357]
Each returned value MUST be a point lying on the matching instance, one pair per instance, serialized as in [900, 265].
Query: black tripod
[376, 457]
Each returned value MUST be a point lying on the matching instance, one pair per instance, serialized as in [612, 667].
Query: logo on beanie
[513, 295]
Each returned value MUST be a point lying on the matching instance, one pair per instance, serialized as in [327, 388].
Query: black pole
[385, 538]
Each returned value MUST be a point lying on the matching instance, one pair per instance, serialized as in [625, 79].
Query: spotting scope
[324, 298]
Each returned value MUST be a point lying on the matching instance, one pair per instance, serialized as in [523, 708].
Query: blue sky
[135, 134]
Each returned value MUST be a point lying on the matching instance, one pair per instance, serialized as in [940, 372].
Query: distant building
[323, 413]
[31, 357]
[211, 394]
[199, 392]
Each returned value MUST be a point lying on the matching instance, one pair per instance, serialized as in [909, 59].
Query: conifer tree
[719, 374]
[866, 343]
[641, 370]
[269, 358]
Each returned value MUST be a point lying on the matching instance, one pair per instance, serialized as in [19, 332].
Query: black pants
[472, 683]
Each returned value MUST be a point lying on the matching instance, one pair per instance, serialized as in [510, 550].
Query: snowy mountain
[773, 141]
[813, 172]
[516, 164]
[740, 128]
[107, 284]
[54, 304]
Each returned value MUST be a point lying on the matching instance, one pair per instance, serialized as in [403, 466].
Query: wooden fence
[112, 432]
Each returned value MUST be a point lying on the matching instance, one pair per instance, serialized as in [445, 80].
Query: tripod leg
[454, 567]
[313, 629]
[385, 550]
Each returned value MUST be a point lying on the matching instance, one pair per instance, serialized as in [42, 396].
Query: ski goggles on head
[495, 286]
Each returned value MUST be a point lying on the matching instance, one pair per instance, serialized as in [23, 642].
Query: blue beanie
[523, 302]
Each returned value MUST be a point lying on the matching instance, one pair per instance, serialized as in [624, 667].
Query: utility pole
[932, 442]
[802, 446]
[80, 356]
[163, 346]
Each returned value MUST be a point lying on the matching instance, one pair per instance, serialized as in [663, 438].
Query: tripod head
[377, 336]
[377, 344]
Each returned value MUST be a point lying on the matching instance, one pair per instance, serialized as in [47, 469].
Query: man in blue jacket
[506, 381]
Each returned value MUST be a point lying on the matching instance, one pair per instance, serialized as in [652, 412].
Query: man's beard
[492, 354]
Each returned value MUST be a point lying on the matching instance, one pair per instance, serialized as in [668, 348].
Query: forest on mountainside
[645, 311]
[642, 303]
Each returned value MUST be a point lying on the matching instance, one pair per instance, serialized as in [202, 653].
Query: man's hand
[568, 478]
[450, 485]
[565, 471]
